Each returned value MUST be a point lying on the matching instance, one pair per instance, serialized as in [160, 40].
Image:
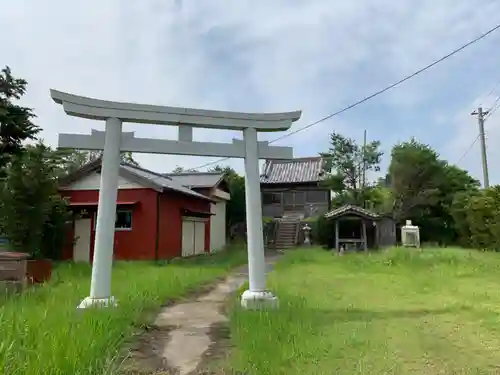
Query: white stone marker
[113, 141]
[307, 234]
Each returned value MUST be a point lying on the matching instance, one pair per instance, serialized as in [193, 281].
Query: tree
[128, 157]
[379, 199]
[16, 124]
[346, 166]
[424, 188]
[477, 218]
[179, 169]
[413, 173]
[460, 214]
[32, 214]
[235, 209]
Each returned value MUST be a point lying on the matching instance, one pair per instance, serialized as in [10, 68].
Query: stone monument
[410, 235]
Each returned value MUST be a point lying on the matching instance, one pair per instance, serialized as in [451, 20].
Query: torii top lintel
[95, 109]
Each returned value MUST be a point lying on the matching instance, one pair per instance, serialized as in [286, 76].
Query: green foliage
[459, 214]
[323, 232]
[235, 208]
[16, 124]
[311, 219]
[379, 199]
[128, 158]
[424, 187]
[269, 230]
[72, 160]
[32, 214]
[346, 166]
[477, 218]
[336, 309]
[39, 326]
[54, 228]
[179, 169]
[413, 174]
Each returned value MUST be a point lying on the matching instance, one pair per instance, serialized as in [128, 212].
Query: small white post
[256, 296]
[100, 287]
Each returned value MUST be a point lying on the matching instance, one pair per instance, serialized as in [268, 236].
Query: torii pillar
[113, 141]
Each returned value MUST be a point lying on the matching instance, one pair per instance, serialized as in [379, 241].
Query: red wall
[171, 204]
[140, 242]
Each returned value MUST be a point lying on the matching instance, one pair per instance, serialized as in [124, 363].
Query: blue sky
[266, 55]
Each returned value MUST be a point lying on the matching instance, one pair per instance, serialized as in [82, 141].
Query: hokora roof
[351, 209]
[300, 170]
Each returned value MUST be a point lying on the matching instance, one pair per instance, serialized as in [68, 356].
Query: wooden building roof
[350, 209]
[299, 170]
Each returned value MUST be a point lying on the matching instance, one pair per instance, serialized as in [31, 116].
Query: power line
[468, 150]
[369, 97]
[494, 107]
[493, 89]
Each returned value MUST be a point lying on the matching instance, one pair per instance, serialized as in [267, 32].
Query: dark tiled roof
[349, 208]
[292, 171]
[197, 179]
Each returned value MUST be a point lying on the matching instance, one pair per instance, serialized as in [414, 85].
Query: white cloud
[255, 55]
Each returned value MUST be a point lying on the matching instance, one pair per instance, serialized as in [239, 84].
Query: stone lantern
[307, 235]
[410, 235]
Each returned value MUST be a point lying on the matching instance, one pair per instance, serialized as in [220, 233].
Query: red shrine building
[157, 217]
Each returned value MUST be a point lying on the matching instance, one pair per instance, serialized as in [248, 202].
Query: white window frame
[119, 229]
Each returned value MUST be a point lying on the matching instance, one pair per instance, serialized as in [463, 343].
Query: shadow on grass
[325, 316]
[308, 332]
[293, 310]
[227, 258]
[263, 340]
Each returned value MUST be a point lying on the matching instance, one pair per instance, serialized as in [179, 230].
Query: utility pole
[364, 160]
[480, 119]
[363, 174]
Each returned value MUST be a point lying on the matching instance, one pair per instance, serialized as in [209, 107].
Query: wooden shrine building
[359, 229]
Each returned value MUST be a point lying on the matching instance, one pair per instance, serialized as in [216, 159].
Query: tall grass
[42, 332]
[401, 311]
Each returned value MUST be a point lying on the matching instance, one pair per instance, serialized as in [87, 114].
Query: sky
[267, 56]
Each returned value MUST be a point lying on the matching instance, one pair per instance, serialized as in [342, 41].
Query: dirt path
[181, 335]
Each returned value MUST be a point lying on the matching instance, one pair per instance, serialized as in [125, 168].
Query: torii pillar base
[89, 302]
[259, 300]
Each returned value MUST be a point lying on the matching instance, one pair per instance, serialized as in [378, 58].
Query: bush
[269, 227]
[323, 231]
[54, 228]
[477, 218]
[32, 214]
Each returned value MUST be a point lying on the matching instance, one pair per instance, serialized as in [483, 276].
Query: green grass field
[397, 312]
[42, 332]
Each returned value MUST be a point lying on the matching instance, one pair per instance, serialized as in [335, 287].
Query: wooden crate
[13, 268]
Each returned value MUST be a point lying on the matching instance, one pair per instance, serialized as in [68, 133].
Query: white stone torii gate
[113, 141]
